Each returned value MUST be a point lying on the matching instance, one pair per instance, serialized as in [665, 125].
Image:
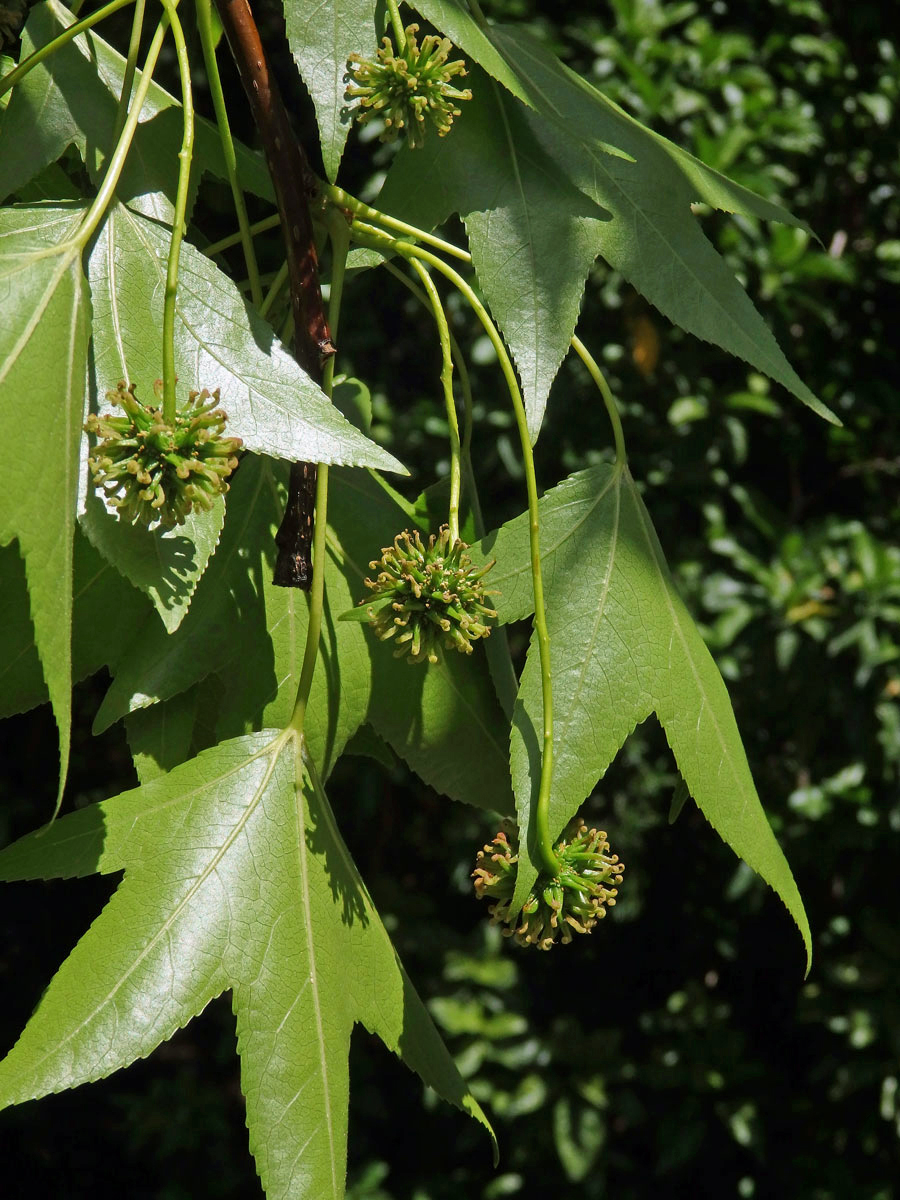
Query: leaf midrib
[303, 866]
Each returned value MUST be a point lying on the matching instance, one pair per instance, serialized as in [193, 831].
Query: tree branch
[294, 185]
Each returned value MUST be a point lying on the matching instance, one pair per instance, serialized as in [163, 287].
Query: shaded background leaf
[321, 40]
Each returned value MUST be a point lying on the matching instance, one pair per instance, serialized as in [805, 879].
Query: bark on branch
[294, 185]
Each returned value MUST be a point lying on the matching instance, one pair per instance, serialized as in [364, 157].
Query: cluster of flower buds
[154, 472]
[407, 88]
[573, 900]
[427, 597]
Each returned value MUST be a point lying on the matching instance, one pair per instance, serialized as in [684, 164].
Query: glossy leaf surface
[235, 878]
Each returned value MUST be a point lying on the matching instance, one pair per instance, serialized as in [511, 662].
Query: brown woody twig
[294, 185]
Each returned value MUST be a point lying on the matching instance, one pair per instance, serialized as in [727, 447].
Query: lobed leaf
[623, 645]
[160, 737]
[553, 126]
[533, 236]
[235, 878]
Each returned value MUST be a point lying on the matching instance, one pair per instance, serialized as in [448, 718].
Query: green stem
[339, 234]
[18, 73]
[397, 25]
[497, 648]
[598, 377]
[233, 239]
[479, 16]
[134, 46]
[542, 841]
[178, 219]
[440, 318]
[340, 244]
[366, 213]
[94, 215]
[208, 43]
[275, 289]
[465, 384]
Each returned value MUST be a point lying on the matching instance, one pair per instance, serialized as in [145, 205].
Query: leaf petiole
[540, 835]
[440, 318]
[598, 377]
[397, 25]
[208, 43]
[94, 215]
[225, 243]
[134, 46]
[365, 212]
[178, 218]
[340, 244]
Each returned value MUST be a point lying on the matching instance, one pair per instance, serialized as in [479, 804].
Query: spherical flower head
[571, 901]
[155, 473]
[428, 597]
[408, 88]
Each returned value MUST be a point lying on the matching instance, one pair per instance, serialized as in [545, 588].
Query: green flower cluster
[576, 898]
[408, 88]
[428, 597]
[152, 471]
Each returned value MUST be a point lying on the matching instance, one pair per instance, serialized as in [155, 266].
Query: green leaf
[680, 797]
[160, 737]
[43, 358]
[21, 678]
[166, 564]
[260, 689]
[366, 743]
[106, 616]
[622, 646]
[444, 721]
[424, 714]
[321, 39]
[51, 184]
[235, 878]
[71, 100]
[226, 614]
[220, 343]
[642, 181]
[353, 398]
[533, 236]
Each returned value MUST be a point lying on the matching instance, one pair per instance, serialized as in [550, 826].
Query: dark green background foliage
[678, 1050]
